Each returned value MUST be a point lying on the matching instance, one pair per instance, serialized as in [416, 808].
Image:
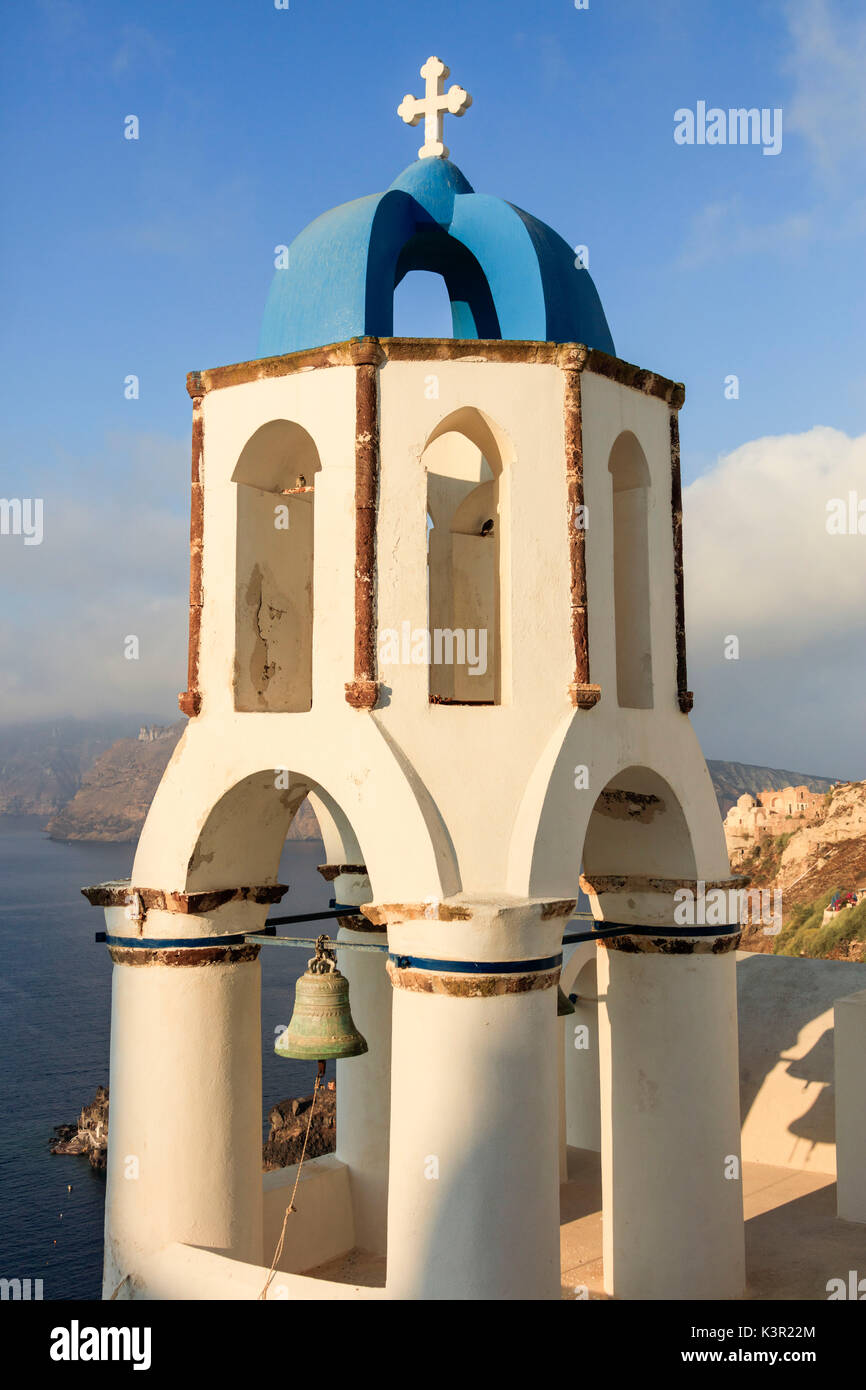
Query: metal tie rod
[267, 938]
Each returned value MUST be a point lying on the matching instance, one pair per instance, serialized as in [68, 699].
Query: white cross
[433, 106]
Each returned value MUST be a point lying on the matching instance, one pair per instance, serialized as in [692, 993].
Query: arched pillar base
[473, 1210]
[670, 1125]
[184, 1139]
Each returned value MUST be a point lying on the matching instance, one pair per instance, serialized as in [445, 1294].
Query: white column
[473, 1209]
[563, 1117]
[850, 1047]
[582, 1106]
[364, 1089]
[670, 1124]
[185, 1124]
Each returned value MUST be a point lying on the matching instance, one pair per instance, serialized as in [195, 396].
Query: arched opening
[279, 825]
[637, 827]
[581, 1093]
[275, 477]
[637, 834]
[430, 262]
[465, 526]
[630, 481]
[422, 307]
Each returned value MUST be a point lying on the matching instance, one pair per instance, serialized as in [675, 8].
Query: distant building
[770, 813]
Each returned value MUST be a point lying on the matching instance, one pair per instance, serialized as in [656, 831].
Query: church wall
[609, 409]
[323, 403]
[524, 404]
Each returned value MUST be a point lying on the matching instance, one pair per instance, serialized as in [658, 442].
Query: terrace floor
[794, 1240]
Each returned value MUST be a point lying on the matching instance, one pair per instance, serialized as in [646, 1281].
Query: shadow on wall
[787, 1098]
[787, 1095]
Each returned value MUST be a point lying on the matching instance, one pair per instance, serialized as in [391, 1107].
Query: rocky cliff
[115, 794]
[42, 765]
[809, 859]
[89, 1135]
[283, 1146]
[289, 1122]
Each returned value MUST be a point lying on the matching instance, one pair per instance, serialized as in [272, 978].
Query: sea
[55, 1003]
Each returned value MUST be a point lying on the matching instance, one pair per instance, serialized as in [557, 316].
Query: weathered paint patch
[645, 883]
[380, 914]
[384, 913]
[673, 945]
[331, 871]
[468, 986]
[121, 895]
[631, 806]
[360, 924]
[183, 956]
[558, 907]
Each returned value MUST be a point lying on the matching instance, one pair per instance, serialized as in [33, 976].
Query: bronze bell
[322, 1026]
[564, 1006]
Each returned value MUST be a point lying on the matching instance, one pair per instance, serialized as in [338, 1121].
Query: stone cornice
[164, 900]
[567, 356]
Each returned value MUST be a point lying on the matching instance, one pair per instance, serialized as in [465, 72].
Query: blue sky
[155, 256]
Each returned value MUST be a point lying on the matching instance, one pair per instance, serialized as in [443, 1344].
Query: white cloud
[760, 565]
[114, 562]
[757, 543]
[827, 62]
[722, 229]
[139, 49]
[826, 107]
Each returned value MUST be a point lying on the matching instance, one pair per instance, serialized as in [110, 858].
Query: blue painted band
[163, 943]
[727, 930]
[476, 967]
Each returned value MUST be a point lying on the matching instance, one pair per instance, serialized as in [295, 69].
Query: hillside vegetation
[843, 937]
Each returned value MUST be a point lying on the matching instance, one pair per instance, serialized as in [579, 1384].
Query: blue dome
[507, 274]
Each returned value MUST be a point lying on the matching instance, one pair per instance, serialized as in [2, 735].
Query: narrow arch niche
[630, 482]
[275, 477]
[442, 272]
[422, 307]
[638, 826]
[463, 464]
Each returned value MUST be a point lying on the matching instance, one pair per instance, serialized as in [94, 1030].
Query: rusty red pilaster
[583, 694]
[363, 691]
[190, 699]
[685, 698]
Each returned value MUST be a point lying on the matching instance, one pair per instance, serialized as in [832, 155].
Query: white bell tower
[437, 587]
